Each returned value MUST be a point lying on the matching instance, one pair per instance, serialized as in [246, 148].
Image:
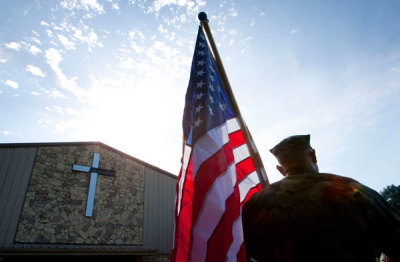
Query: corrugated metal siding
[15, 171]
[159, 205]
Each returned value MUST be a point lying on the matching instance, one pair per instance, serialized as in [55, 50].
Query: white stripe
[233, 125]
[241, 153]
[186, 158]
[207, 145]
[237, 233]
[213, 209]
[248, 183]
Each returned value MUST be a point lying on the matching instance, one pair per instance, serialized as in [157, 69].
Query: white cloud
[12, 84]
[49, 32]
[137, 41]
[34, 70]
[35, 33]
[91, 39]
[86, 5]
[14, 45]
[3, 60]
[136, 35]
[233, 12]
[69, 45]
[35, 93]
[162, 29]
[293, 31]
[25, 46]
[43, 23]
[6, 133]
[126, 63]
[34, 39]
[72, 112]
[192, 7]
[34, 50]
[232, 32]
[53, 58]
[115, 6]
[57, 94]
[57, 109]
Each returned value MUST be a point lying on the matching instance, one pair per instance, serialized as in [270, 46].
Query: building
[83, 199]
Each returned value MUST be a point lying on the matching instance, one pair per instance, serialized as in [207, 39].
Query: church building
[83, 201]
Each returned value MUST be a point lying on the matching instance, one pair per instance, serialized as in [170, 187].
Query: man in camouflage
[312, 216]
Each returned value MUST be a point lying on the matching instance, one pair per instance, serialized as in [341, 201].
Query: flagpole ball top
[202, 16]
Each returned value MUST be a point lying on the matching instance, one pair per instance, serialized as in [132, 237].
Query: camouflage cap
[291, 145]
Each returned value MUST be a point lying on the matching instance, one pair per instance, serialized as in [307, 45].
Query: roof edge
[87, 143]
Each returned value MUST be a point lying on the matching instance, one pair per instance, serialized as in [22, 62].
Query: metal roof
[47, 144]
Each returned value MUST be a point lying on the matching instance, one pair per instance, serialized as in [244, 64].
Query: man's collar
[300, 170]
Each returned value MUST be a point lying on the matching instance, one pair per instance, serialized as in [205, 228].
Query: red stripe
[173, 253]
[241, 256]
[252, 192]
[183, 223]
[210, 170]
[237, 138]
[219, 243]
[244, 168]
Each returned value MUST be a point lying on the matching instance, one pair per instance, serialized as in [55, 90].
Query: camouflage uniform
[310, 216]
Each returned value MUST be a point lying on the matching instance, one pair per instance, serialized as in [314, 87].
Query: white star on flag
[199, 96]
[200, 62]
[198, 108]
[197, 122]
[200, 73]
[200, 84]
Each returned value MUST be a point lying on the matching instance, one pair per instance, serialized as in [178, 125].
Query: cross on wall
[94, 170]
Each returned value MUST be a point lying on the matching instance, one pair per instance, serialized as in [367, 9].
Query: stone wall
[55, 204]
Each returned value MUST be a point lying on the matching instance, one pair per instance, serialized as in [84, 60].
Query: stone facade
[55, 204]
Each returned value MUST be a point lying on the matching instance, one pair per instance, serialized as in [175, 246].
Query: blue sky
[117, 72]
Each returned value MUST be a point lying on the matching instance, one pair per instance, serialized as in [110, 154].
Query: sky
[117, 72]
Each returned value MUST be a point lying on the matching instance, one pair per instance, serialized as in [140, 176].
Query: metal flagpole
[255, 156]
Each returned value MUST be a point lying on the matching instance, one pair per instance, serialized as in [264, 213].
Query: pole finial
[202, 17]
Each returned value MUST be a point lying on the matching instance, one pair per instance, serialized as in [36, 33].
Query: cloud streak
[53, 58]
[36, 71]
[12, 84]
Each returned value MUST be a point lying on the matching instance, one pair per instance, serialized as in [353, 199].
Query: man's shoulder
[288, 187]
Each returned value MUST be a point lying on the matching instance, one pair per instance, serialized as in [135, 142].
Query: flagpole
[262, 175]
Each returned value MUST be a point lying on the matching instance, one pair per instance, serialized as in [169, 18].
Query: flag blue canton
[206, 104]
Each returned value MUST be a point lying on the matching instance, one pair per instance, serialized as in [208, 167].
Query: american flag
[217, 175]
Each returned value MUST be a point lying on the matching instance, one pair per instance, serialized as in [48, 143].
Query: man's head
[295, 152]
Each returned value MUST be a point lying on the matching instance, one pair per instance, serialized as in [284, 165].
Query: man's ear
[281, 170]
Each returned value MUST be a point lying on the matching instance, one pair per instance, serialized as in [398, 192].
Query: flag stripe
[186, 158]
[238, 137]
[244, 168]
[241, 153]
[183, 223]
[232, 125]
[221, 239]
[237, 232]
[248, 183]
[210, 216]
[251, 192]
[208, 144]
[207, 174]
